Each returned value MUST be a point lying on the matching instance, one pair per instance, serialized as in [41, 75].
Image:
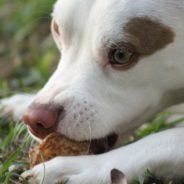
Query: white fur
[99, 100]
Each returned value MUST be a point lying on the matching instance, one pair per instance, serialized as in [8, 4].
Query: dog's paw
[70, 170]
[15, 105]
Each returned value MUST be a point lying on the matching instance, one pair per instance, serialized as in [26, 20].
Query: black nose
[42, 118]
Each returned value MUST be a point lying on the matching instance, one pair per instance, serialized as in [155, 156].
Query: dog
[122, 63]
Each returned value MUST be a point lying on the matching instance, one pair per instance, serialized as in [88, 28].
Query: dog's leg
[15, 105]
[161, 153]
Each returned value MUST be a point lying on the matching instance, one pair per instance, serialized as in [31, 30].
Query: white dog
[122, 62]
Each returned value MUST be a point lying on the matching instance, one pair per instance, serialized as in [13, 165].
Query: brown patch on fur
[117, 177]
[147, 35]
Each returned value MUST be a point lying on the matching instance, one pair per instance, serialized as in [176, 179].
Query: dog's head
[120, 64]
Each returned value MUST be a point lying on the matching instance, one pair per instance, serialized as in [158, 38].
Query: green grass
[14, 144]
[28, 56]
[27, 51]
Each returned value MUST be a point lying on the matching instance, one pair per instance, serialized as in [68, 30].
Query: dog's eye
[121, 58]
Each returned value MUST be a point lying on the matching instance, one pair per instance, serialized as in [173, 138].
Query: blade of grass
[7, 179]
[8, 162]
[7, 140]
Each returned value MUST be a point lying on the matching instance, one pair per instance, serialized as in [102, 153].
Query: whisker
[90, 135]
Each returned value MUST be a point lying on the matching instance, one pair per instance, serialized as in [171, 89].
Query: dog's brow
[148, 35]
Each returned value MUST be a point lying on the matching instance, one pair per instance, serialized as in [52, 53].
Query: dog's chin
[97, 146]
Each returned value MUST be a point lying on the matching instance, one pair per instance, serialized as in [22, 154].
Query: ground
[28, 56]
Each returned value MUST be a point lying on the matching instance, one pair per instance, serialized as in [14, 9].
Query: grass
[25, 43]
[27, 51]
[13, 148]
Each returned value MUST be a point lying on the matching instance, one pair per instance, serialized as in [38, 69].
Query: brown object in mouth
[56, 145]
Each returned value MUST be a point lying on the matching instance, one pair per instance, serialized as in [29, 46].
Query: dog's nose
[42, 119]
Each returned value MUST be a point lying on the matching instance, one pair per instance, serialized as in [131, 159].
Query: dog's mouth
[97, 146]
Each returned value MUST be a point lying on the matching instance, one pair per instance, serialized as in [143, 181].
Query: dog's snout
[42, 119]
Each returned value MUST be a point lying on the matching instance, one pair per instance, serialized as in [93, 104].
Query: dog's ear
[117, 177]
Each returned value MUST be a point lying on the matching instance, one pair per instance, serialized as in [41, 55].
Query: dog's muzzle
[41, 120]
